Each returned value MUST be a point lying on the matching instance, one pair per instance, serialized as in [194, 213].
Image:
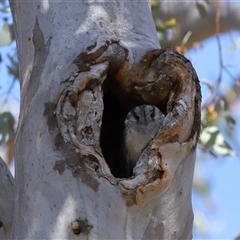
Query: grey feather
[141, 126]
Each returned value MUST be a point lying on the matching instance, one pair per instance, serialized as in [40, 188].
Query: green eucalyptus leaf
[160, 26]
[6, 126]
[222, 147]
[6, 34]
[201, 9]
[171, 22]
[226, 112]
[208, 136]
[5, 9]
[230, 120]
[213, 141]
[13, 68]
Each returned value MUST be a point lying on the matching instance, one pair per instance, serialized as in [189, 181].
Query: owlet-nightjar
[141, 126]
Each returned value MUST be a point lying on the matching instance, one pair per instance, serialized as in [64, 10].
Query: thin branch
[217, 30]
[230, 74]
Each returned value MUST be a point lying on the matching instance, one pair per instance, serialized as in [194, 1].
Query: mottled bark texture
[84, 65]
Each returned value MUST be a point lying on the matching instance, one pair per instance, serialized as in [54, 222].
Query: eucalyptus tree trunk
[83, 66]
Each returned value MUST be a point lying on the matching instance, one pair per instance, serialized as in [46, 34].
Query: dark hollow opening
[116, 106]
[111, 139]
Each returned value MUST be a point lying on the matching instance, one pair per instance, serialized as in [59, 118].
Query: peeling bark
[76, 89]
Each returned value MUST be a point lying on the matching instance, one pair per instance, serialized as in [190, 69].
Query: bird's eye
[152, 114]
[136, 117]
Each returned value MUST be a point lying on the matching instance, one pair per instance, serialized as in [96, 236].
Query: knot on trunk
[111, 80]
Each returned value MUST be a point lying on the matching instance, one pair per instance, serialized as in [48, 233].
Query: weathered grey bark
[189, 20]
[77, 59]
[6, 201]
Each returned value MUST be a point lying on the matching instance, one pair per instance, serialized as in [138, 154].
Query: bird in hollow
[141, 126]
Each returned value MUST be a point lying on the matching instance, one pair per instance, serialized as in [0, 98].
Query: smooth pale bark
[6, 201]
[64, 187]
